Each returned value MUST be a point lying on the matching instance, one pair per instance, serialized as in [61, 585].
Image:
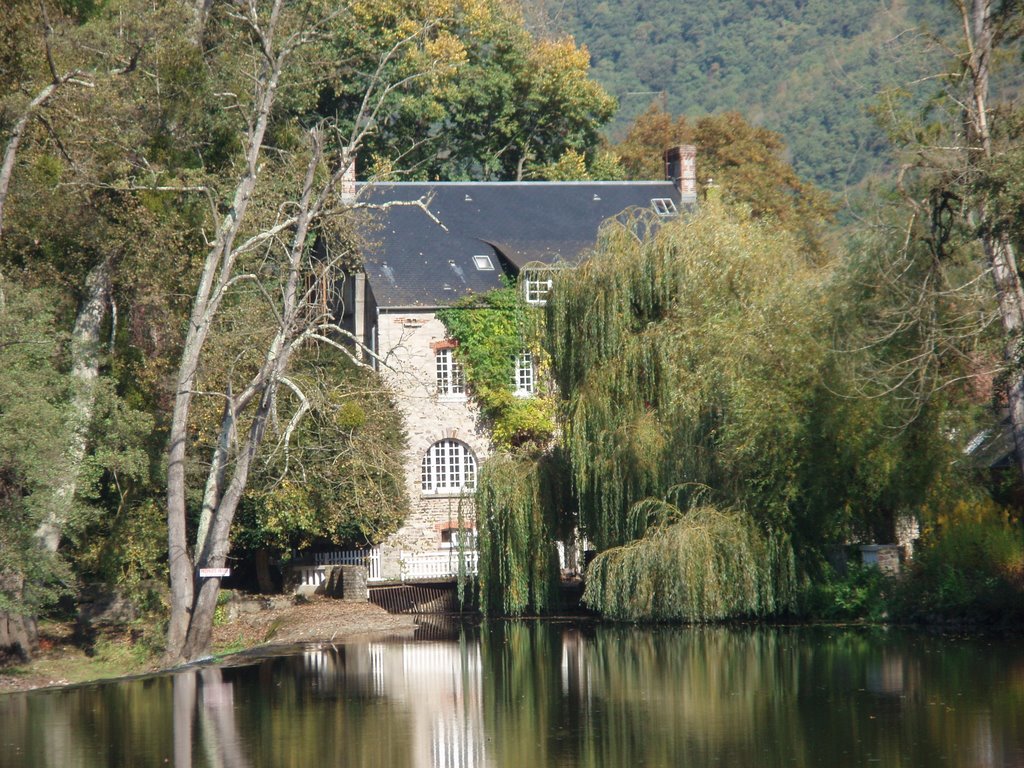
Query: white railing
[437, 565]
[413, 565]
[368, 557]
[313, 575]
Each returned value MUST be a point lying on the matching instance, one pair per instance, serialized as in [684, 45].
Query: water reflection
[549, 694]
[203, 695]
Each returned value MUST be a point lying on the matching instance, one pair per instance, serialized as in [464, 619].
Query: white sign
[214, 573]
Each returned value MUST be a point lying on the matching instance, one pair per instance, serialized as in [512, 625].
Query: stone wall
[404, 343]
[885, 557]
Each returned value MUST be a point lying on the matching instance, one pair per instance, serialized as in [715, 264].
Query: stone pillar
[390, 564]
[346, 582]
[353, 583]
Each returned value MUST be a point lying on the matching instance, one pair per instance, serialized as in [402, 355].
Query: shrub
[970, 568]
[862, 593]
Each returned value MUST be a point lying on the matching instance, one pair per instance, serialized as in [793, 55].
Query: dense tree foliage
[524, 504]
[337, 479]
[809, 70]
[32, 393]
[745, 163]
[519, 103]
[670, 351]
[707, 412]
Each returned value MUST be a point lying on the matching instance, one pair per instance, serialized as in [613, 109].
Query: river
[552, 694]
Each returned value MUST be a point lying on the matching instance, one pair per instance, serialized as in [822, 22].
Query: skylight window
[664, 206]
[483, 262]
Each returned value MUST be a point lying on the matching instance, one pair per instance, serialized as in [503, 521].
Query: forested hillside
[809, 69]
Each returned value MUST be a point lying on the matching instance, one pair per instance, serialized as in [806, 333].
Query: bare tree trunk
[18, 635]
[263, 575]
[86, 343]
[215, 280]
[193, 601]
[212, 550]
[14, 141]
[979, 37]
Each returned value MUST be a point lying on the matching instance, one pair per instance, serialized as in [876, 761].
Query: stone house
[415, 263]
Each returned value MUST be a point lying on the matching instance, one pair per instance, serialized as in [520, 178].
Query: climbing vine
[492, 329]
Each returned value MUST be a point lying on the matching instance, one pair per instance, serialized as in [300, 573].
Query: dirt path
[320, 620]
[61, 661]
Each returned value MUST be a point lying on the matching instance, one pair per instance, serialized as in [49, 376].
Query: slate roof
[412, 261]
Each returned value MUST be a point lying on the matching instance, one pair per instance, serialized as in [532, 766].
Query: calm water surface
[553, 694]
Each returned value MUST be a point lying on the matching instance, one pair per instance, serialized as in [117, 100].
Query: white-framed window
[455, 538]
[483, 262]
[664, 206]
[536, 285]
[524, 378]
[450, 380]
[448, 466]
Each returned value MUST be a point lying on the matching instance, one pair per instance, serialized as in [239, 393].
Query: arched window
[448, 467]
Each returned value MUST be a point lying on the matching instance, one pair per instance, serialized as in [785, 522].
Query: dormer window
[664, 206]
[536, 286]
[524, 379]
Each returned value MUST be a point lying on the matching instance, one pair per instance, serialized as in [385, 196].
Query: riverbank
[63, 658]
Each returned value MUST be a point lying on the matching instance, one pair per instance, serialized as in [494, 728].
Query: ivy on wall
[492, 329]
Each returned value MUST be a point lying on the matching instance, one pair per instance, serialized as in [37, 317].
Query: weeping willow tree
[707, 564]
[686, 356]
[523, 504]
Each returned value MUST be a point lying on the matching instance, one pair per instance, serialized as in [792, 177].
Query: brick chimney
[681, 170]
[348, 179]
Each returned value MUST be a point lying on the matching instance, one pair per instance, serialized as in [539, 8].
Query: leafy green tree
[523, 505]
[709, 423]
[336, 479]
[684, 359]
[745, 163]
[32, 395]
